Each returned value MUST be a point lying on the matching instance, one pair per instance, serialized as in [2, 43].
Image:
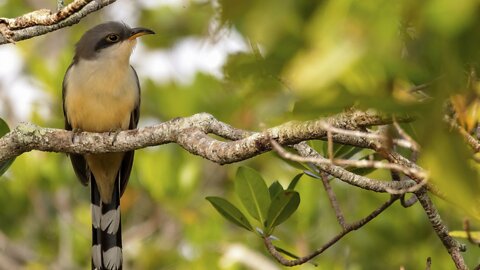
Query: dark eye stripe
[107, 41]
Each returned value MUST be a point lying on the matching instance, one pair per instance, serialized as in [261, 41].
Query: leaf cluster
[269, 206]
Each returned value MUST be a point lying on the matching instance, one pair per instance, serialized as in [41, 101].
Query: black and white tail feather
[106, 230]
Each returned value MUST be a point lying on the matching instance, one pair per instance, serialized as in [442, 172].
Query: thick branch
[190, 132]
[42, 21]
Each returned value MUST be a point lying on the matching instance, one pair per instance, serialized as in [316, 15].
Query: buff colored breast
[97, 100]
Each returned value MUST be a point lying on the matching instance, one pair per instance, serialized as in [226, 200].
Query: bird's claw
[115, 135]
[75, 133]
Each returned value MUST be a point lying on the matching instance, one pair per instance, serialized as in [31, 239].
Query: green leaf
[294, 181]
[5, 164]
[230, 212]
[274, 189]
[282, 207]
[253, 193]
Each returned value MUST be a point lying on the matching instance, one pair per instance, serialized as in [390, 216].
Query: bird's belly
[100, 102]
[100, 114]
[100, 95]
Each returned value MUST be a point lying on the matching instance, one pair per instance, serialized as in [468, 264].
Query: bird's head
[110, 40]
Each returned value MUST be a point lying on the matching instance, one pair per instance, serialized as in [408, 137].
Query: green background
[304, 59]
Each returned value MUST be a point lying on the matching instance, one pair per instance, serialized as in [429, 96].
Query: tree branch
[351, 178]
[349, 162]
[349, 228]
[453, 246]
[472, 141]
[43, 21]
[190, 132]
[333, 200]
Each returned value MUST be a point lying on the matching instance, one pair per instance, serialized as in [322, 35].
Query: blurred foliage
[304, 59]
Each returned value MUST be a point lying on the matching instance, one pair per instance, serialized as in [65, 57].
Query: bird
[101, 93]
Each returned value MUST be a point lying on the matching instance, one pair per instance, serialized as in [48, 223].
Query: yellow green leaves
[269, 206]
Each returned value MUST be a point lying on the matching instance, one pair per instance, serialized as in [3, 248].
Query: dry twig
[472, 141]
[318, 160]
[349, 228]
[333, 201]
[453, 247]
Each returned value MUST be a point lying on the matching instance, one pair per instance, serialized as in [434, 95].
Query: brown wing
[127, 162]
[78, 162]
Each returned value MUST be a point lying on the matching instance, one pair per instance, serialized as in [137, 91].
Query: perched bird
[101, 93]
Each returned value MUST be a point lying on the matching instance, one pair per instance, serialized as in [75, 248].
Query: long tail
[106, 230]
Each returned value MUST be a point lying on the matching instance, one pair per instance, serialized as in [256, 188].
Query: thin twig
[409, 189]
[349, 177]
[453, 247]
[329, 145]
[405, 203]
[357, 164]
[354, 226]
[372, 136]
[466, 227]
[333, 201]
[414, 145]
[472, 141]
[409, 202]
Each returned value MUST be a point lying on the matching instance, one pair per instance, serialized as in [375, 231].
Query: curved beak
[139, 31]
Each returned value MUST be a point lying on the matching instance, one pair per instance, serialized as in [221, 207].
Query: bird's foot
[75, 133]
[115, 135]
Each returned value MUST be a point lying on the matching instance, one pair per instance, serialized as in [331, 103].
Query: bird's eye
[112, 38]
